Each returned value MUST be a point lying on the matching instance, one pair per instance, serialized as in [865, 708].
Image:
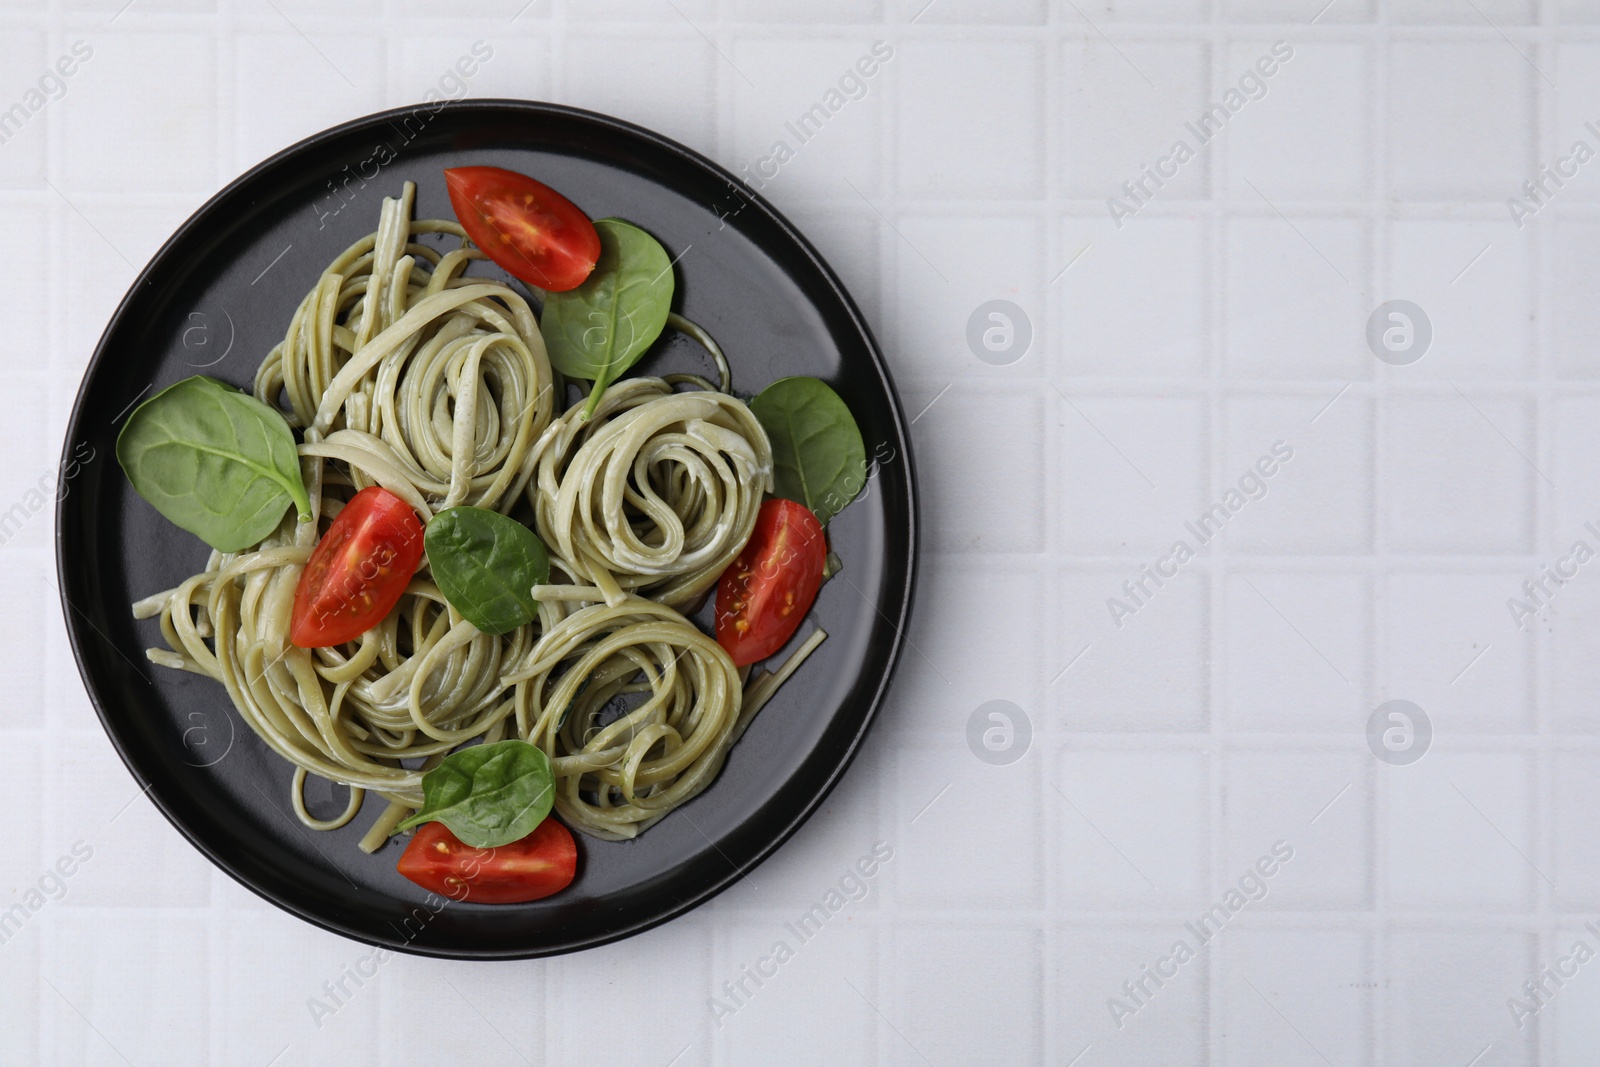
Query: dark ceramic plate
[220, 294]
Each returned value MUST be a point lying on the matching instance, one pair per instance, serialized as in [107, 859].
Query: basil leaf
[486, 565]
[215, 461]
[601, 328]
[488, 795]
[818, 457]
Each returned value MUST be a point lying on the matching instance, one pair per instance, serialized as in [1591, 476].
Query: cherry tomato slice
[358, 571]
[769, 588]
[528, 228]
[527, 869]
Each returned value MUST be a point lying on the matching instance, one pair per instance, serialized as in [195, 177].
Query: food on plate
[772, 583]
[453, 548]
[532, 868]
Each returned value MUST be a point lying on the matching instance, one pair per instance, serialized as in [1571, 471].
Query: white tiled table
[1227, 713]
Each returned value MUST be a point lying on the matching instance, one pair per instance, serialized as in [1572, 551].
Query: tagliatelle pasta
[401, 371]
[656, 493]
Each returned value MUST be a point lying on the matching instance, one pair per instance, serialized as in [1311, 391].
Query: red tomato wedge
[769, 588]
[528, 228]
[358, 571]
[527, 869]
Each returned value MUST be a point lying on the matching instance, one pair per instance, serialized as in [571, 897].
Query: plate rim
[610, 126]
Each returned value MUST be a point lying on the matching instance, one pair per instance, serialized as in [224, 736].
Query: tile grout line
[1216, 427]
[1377, 414]
[1546, 510]
[1048, 354]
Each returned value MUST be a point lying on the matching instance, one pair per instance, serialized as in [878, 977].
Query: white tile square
[311, 7]
[810, 984]
[808, 11]
[1271, 797]
[1461, 832]
[21, 988]
[668, 968]
[1572, 621]
[958, 820]
[139, 849]
[1129, 848]
[969, 118]
[1446, 994]
[1575, 294]
[1134, 305]
[26, 107]
[462, 66]
[162, 137]
[1461, 121]
[981, 259]
[956, 982]
[1294, 303]
[1170, 1022]
[1574, 69]
[32, 480]
[1458, 473]
[28, 576]
[1140, 460]
[1568, 605]
[25, 318]
[1443, 12]
[1297, 650]
[512, 994]
[313, 93]
[809, 978]
[665, 83]
[1575, 847]
[1319, 495]
[991, 499]
[699, 14]
[1569, 1021]
[95, 276]
[1297, 998]
[1002, 654]
[812, 98]
[478, 9]
[1149, 10]
[1452, 649]
[1322, 87]
[1275, 11]
[1126, 106]
[110, 7]
[1477, 289]
[102, 249]
[311, 1013]
[1575, 12]
[962, 12]
[1150, 674]
[140, 987]
[26, 858]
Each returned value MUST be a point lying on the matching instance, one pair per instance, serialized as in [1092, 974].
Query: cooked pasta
[654, 494]
[399, 363]
[400, 371]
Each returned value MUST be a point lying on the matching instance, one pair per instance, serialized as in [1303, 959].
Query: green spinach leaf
[488, 795]
[215, 461]
[601, 328]
[486, 565]
[818, 456]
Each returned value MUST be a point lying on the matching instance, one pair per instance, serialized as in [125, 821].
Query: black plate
[220, 293]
